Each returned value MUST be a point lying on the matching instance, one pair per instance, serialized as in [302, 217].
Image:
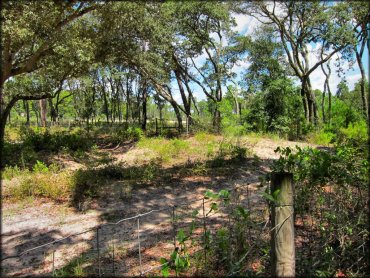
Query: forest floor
[35, 221]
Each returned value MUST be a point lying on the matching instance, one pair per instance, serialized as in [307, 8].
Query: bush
[11, 172]
[203, 137]
[329, 188]
[40, 167]
[322, 137]
[42, 184]
[40, 139]
[26, 155]
[355, 134]
[165, 149]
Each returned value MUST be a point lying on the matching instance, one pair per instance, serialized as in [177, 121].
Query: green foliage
[119, 134]
[329, 187]
[164, 148]
[227, 247]
[75, 268]
[39, 139]
[41, 184]
[10, 172]
[40, 167]
[355, 134]
[277, 109]
[322, 137]
[343, 114]
[346, 166]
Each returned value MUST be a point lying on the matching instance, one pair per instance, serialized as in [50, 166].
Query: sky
[246, 24]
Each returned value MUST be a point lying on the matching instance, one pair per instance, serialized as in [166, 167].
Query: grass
[56, 186]
[207, 152]
[321, 138]
[165, 149]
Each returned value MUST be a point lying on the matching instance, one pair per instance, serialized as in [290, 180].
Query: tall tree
[304, 25]
[361, 15]
[36, 34]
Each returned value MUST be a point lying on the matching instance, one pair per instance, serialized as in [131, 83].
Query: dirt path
[27, 225]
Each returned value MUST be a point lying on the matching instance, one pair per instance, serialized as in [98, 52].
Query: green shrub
[26, 156]
[40, 139]
[329, 187]
[135, 133]
[355, 134]
[203, 137]
[12, 134]
[42, 184]
[10, 172]
[322, 137]
[234, 130]
[40, 167]
[164, 148]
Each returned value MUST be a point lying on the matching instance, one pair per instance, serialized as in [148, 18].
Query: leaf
[174, 254]
[224, 193]
[211, 195]
[268, 197]
[194, 213]
[181, 237]
[165, 267]
[214, 207]
[275, 194]
[243, 212]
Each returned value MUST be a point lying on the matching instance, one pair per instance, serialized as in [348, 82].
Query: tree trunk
[217, 120]
[310, 106]
[53, 112]
[178, 115]
[27, 110]
[2, 139]
[185, 100]
[4, 115]
[362, 85]
[34, 108]
[323, 104]
[106, 108]
[42, 103]
[144, 108]
[305, 104]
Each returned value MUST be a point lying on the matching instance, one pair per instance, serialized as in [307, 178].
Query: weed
[40, 167]
[42, 184]
[164, 148]
[321, 138]
[10, 172]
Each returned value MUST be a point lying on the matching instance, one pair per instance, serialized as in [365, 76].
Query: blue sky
[246, 25]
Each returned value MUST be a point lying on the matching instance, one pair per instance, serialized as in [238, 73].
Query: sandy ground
[29, 224]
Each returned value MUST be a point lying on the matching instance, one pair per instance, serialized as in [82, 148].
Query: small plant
[40, 167]
[10, 172]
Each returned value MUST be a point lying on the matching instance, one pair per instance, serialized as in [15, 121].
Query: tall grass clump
[166, 149]
[322, 137]
[56, 186]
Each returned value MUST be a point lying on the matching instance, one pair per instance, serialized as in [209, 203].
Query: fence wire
[120, 247]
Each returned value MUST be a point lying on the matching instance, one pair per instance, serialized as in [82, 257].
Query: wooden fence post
[282, 233]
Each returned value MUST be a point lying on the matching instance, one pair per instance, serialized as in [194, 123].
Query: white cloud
[245, 24]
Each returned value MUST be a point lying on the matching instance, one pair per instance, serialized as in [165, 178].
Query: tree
[301, 25]
[328, 90]
[361, 16]
[36, 35]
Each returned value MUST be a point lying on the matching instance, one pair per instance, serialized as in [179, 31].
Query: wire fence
[132, 245]
[224, 237]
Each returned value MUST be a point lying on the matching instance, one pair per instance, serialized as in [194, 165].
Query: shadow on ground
[129, 191]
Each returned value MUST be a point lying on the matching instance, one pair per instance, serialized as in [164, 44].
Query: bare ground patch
[29, 224]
